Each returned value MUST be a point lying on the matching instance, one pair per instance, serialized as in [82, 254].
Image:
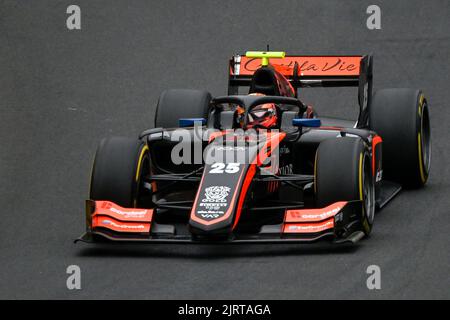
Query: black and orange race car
[258, 165]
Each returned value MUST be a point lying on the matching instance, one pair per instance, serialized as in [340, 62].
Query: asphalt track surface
[61, 91]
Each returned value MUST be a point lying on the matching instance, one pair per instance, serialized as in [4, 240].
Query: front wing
[338, 222]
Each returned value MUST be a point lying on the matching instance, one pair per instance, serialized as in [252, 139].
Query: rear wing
[311, 71]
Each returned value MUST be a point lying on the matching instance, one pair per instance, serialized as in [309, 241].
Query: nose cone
[216, 202]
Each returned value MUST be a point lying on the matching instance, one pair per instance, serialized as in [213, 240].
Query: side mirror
[189, 122]
[305, 122]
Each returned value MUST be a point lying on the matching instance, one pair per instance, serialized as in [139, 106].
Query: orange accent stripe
[100, 221]
[314, 215]
[272, 141]
[311, 227]
[110, 209]
[376, 140]
[248, 180]
[329, 128]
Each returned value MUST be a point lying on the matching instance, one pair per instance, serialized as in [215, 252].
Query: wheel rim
[368, 192]
[425, 133]
[140, 189]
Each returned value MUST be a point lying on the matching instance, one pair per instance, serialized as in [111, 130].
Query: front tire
[119, 165]
[342, 172]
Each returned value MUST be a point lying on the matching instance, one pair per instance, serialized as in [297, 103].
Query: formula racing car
[259, 165]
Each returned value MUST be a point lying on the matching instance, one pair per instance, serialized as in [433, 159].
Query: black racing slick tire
[401, 117]
[175, 104]
[119, 165]
[343, 172]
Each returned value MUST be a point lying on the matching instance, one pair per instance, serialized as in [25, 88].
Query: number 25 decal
[219, 167]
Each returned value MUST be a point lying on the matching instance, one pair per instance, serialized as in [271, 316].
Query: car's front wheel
[119, 167]
[342, 172]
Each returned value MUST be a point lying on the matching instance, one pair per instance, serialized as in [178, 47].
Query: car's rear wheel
[175, 104]
[401, 117]
[342, 172]
[119, 165]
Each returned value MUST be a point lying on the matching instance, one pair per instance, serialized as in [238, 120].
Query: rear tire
[118, 167]
[174, 104]
[401, 118]
[342, 172]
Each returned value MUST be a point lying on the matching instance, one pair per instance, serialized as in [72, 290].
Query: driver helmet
[263, 115]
